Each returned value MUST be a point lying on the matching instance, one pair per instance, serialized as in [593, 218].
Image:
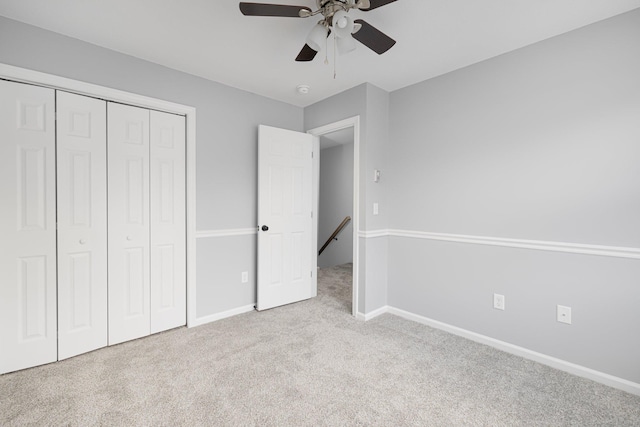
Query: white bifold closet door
[146, 215]
[168, 222]
[128, 217]
[82, 224]
[27, 227]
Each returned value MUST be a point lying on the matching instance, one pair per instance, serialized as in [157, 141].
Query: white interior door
[27, 227]
[128, 219]
[285, 265]
[82, 224]
[168, 222]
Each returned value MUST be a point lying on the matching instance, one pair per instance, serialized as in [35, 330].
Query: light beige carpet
[307, 364]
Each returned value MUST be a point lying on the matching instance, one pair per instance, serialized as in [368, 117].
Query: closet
[92, 222]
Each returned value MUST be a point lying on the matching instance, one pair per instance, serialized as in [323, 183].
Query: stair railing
[334, 235]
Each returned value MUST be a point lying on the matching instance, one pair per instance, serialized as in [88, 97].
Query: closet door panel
[27, 227]
[82, 224]
[168, 222]
[128, 218]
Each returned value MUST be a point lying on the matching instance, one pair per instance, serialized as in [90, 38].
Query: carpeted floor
[307, 364]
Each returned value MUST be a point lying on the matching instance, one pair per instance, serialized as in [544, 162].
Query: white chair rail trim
[226, 233]
[574, 248]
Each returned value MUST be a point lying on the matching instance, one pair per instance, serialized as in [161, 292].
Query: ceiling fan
[335, 19]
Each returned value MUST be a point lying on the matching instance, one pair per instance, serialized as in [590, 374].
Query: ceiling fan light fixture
[345, 44]
[317, 36]
[342, 24]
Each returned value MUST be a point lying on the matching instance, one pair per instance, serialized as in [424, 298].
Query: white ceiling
[212, 39]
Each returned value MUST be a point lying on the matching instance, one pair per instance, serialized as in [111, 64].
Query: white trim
[89, 89]
[227, 233]
[541, 245]
[373, 314]
[333, 127]
[373, 234]
[24, 75]
[225, 314]
[563, 365]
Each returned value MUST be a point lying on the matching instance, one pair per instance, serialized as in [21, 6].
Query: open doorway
[336, 196]
[335, 212]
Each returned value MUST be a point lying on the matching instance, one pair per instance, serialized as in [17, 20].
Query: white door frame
[37, 78]
[352, 122]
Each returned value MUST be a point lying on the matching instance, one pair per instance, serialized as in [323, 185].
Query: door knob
[82, 241]
[129, 238]
[265, 228]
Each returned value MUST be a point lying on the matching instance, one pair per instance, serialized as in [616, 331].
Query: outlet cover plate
[498, 301]
[245, 276]
[564, 314]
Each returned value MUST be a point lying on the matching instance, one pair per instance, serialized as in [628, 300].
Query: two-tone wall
[520, 176]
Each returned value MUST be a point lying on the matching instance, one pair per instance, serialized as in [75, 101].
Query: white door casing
[82, 224]
[168, 222]
[128, 219]
[285, 265]
[27, 227]
[353, 122]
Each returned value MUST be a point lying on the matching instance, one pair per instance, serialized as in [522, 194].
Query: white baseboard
[563, 365]
[219, 316]
[372, 314]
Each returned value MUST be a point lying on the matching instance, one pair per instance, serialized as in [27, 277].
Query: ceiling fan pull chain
[335, 47]
[326, 51]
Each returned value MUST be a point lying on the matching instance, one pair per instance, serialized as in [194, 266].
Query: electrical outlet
[498, 301]
[375, 208]
[563, 314]
[245, 276]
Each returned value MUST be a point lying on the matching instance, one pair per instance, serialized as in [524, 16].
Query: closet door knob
[265, 228]
[82, 241]
[129, 238]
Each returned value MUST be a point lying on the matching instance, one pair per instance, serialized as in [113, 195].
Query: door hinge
[312, 273]
[312, 154]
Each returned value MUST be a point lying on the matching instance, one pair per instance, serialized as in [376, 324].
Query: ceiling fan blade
[306, 54]
[373, 38]
[374, 4]
[266, 9]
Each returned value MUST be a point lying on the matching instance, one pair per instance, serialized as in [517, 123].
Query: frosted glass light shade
[342, 24]
[345, 44]
[317, 36]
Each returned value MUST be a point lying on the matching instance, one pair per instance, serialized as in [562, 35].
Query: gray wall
[371, 104]
[227, 128]
[335, 203]
[542, 143]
